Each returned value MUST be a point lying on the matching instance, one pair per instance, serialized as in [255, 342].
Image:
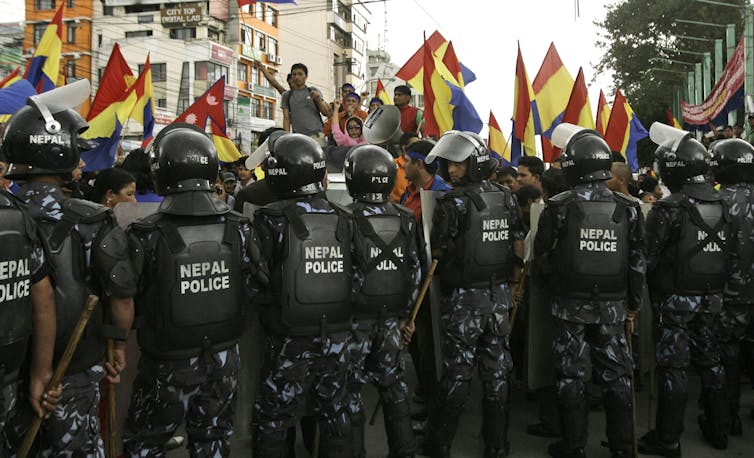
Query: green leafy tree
[636, 36]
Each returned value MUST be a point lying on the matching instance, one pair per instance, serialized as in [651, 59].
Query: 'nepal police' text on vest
[14, 279]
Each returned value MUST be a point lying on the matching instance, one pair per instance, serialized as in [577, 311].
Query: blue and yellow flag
[44, 67]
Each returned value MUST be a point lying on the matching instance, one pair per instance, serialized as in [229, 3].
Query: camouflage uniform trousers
[735, 331]
[73, 429]
[477, 329]
[376, 357]
[684, 338]
[298, 371]
[8, 404]
[573, 345]
[200, 389]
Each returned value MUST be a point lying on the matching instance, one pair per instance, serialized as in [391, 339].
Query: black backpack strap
[476, 199]
[712, 232]
[171, 235]
[386, 249]
[297, 224]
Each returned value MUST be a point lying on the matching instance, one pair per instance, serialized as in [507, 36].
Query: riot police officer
[198, 263]
[686, 272]
[733, 166]
[89, 254]
[27, 309]
[478, 238]
[306, 310]
[388, 274]
[589, 250]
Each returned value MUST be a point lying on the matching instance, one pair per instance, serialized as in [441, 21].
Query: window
[72, 32]
[241, 72]
[45, 4]
[69, 4]
[272, 47]
[209, 71]
[183, 34]
[99, 74]
[39, 30]
[267, 110]
[255, 106]
[107, 10]
[215, 35]
[259, 12]
[271, 17]
[261, 40]
[182, 105]
[70, 68]
[254, 76]
[159, 71]
[183, 90]
[139, 33]
[141, 8]
[263, 82]
[162, 103]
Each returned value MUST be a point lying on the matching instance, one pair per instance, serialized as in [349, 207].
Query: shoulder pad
[624, 199]
[273, 208]
[563, 198]
[147, 224]
[501, 187]
[85, 211]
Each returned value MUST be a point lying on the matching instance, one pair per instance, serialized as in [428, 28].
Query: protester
[353, 133]
[411, 117]
[375, 103]
[302, 106]
[401, 182]
[530, 170]
[138, 164]
[114, 186]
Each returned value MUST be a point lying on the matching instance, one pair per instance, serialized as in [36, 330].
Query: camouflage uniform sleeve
[414, 269]
[38, 264]
[637, 259]
[740, 228]
[112, 263]
[657, 236]
[518, 232]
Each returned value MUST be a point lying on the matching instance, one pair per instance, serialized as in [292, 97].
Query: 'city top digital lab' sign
[181, 15]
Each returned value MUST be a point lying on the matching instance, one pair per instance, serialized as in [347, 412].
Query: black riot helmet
[296, 166]
[460, 146]
[584, 155]
[732, 161]
[185, 160]
[679, 158]
[370, 173]
[42, 138]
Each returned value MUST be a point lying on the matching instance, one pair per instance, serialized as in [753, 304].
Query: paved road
[468, 441]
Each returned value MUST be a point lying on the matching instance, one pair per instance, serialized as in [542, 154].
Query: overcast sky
[484, 34]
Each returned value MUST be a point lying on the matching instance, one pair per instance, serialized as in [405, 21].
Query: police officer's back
[686, 275]
[306, 309]
[589, 250]
[89, 254]
[387, 278]
[199, 265]
[733, 166]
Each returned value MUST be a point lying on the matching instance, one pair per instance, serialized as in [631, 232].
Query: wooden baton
[57, 375]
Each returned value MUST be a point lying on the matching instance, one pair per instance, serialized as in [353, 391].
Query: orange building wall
[82, 9]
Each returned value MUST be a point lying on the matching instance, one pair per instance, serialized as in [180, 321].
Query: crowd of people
[336, 287]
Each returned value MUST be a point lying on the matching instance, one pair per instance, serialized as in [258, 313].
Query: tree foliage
[634, 33]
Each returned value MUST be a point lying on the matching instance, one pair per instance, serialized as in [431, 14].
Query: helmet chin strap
[51, 125]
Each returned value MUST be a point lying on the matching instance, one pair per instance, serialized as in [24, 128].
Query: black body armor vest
[73, 282]
[16, 236]
[196, 298]
[591, 255]
[312, 283]
[382, 244]
[482, 254]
